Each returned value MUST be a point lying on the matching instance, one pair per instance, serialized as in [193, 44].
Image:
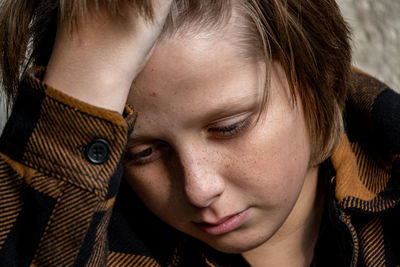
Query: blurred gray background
[376, 39]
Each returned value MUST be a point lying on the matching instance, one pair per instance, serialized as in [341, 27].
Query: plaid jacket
[59, 208]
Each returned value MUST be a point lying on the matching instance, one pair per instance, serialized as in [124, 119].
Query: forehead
[191, 76]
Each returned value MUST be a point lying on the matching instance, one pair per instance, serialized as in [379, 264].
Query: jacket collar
[367, 161]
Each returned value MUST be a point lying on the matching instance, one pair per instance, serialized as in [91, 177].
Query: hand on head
[97, 61]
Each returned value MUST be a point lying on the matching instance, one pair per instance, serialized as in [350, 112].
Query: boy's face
[201, 161]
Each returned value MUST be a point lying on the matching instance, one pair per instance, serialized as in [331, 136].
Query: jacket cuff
[63, 137]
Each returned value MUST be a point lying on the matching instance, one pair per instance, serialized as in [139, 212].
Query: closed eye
[231, 130]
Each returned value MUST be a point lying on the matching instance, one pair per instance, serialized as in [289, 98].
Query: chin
[238, 244]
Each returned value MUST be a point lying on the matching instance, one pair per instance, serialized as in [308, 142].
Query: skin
[98, 63]
[187, 92]
[187, 168]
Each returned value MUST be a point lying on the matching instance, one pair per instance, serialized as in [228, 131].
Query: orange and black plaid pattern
[58, 209]
[367, 165]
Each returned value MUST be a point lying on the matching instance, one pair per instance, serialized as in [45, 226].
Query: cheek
[273, 161]
[154, 189]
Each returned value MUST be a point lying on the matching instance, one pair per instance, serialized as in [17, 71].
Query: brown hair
[28, 29]
[309, 38]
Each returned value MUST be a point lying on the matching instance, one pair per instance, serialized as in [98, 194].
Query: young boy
[255, 143]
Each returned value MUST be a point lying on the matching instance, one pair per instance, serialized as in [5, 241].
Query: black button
[98, 151]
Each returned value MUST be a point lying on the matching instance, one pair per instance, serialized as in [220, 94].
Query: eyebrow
[230, 107]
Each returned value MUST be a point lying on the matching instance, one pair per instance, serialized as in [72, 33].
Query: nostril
[199, 200]
[202, 191]
[201, 181]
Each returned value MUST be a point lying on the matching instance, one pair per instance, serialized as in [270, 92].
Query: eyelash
[147, 155]
[155, 151]
[230, 130]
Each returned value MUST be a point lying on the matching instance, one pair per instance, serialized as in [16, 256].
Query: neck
[293, 244]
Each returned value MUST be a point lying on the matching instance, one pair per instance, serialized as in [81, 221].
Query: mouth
[225, 225]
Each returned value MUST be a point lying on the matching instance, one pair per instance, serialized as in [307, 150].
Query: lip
[225, 225]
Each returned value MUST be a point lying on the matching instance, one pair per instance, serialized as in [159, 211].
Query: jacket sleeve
[60, 169]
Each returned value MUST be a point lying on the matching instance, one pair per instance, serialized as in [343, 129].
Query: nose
[203, 185]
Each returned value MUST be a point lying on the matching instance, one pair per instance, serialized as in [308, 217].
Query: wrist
[91, 74]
